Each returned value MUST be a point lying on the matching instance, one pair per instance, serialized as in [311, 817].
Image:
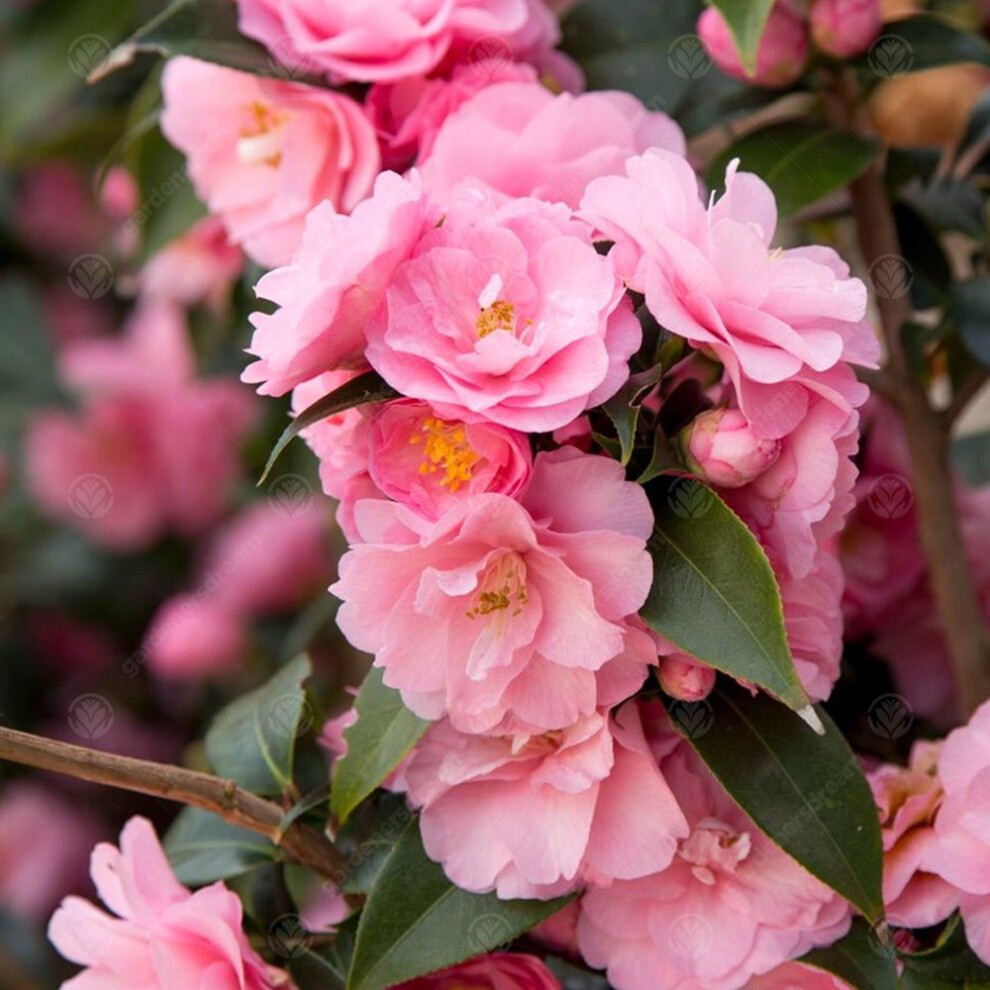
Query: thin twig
[201, 790]
[963, 396]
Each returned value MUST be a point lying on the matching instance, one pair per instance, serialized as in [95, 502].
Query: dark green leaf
[311, 970]
[971, 455]
[801, 161]
[948, 204]
[305, 804]
[416, 921]
[862, 959]
[807, 792]
[970, 308]
[203, 29]
[385, 731]
[623, 408]
[923, 42]
[253, 740]
[714, 593]
[746, 20]
[369, 387]
[951, 959]
[203, 848]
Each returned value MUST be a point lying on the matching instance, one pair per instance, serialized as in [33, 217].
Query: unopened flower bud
[720, 447]
[685, 679]
[845, 27]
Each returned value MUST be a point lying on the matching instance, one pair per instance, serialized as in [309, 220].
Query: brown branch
[963, 396]
[201, 790]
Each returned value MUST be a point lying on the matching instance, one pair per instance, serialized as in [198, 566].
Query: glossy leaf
[623, 408]
[801, 161]
[366, 388]
[746, 20]
[805, 791]
[861, 959]
[252, 741]
[714, 593]
[203, 848]
[416, 921]
[385, 731]
[951, 960]
[913, 44]
[971, 312]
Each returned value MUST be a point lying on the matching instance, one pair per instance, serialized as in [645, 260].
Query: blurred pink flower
[263, 152]
[795, 976]
[845, 27]
[163, 936]
[502, 971]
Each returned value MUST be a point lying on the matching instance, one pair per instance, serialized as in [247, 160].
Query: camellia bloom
[731, 905]
[961, 852]
[782, 52]
[549, 146]
[845, 27]
[386, 40]
[163, 936]
[506, 314]
[263, 152]
[604, 811]
[503, 971]
[503, 614]
[794, 976]
[908, 799]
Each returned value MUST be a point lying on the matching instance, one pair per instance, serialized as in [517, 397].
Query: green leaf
[914, 44]
[802, 161]
[416, 921]
[746, 20]
[306, 803]
[970, 308]
[951, 960]
[385, 731]
[252, 741]
[203, 848]
[714, 593]
[860, 959]
[623, 408]
[207, 30]
[806, 792]
[369, 387]
[971, 455]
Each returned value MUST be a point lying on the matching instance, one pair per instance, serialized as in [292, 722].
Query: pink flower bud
[191, 639]
[720, 447]
[845, 27]
[780, 58]
[684, 678]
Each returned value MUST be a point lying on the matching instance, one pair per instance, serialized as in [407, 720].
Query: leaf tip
[809, 716]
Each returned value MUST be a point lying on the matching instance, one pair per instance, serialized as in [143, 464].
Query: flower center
[261, 134]
[502, 588]
[500, 315]
[714, 848]
[446, 448]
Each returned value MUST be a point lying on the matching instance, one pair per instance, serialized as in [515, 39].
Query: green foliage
[203, 848]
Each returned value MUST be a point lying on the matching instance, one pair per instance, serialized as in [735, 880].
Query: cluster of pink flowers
[836, 28]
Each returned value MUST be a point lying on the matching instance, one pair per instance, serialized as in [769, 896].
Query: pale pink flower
[160, 935]
[548, 146]
[339, 278]
[604, 811]
[731, 905]
[780, 57]
[495, 971]
[44, 844]
[263, 152]
[908, 799]
[199, 266]
[506, 314]
[192, 637]
[720, 447]
[795, 976]
[386, 40]
[961, 852]
[845, 27]
[776, 319]
[504, 614]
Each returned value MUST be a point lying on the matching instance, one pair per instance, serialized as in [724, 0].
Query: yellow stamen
[260, 138]
[446, 447]
[503, 587]
[501, 315]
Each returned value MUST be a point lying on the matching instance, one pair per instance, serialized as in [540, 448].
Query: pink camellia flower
[122, 469]
[163, 936]
[782, 53]
[908, 799]
[44, 843]
[685, 678]
[603, 807]
[263, 152]
[730, 906]
[409, 113]
[502, 971]
[193, 637]
[339, 278]
[720, 447]
[777, 320]
[795, 976]
[506, 615]
[506, 314]
[549, 146]
[961, 853]
[199, 266]
[386, 40]
[845, 27]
